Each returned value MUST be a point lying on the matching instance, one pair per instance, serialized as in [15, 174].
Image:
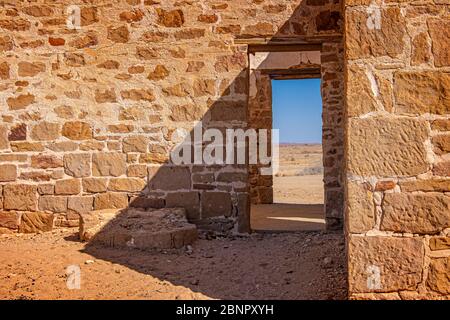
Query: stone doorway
[299, 61]
[298, 190]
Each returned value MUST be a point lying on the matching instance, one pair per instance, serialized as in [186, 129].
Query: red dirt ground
[308, 265]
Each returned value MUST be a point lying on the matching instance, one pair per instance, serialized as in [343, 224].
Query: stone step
[165, 228]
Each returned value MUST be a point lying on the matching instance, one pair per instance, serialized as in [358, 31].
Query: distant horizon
[297, 110]
[300, 143]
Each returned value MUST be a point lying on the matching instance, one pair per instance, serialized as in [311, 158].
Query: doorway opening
[298, 189]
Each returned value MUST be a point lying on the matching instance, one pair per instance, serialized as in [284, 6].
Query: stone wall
[397, 148]
[87, 115]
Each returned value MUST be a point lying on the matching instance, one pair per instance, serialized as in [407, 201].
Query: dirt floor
[287, 217]
[308, 265]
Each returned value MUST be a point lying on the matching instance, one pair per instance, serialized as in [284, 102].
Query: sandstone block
[9, 220]
[439, 185]
[77, 165]
[442, 169]
[135, 144]
[441, 125]
[20, 102]
[328, 20]
[243, 207]
[77, 130]
[63, 146]
[440, 37]
[23, 146]
[171, 19]
[20, 197]
[440, 243]
[203, 178]
[6, 43]
[33, 222]
[159, 73]
[108, 164]
[131, 16]
[88, 16]
[68, 186]
[36, 176]
[208, 18]
[416, 213]
[54, 204]
[94, 185]
[186, 113]
[215, 204]
[121, 128]
[370, 144]
[385, 185]
[80, 204]
[228, 111]
[138, 95]
[15, 24]
[359, 91]
[45, 189]
[171, 178]
[45, 131]
[137, 170]
[420, 49]
[367, 255]
[8, 172]
[110, 200]
[56, 42]
[363, 42]
[360, 208]
[3, 137]
[4, 71]
[441, 143]
[133, 228]
[438, 275]
[190, 201]
[154, 156]
[126, 184]
[232, 177]
[44, 161]
[105, 96]
[18, 132]
[109, 65]
[38, 11]
[422, 92]
[147, 202]
[85, 41]
[119, 34]
[74, 59]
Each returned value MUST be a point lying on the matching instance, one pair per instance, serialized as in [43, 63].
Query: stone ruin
[92, 91]
[165, 228]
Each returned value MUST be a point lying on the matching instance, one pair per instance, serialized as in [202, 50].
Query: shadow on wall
[216, 197]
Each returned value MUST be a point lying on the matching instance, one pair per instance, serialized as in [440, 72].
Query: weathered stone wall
[88, 114]
[397, 148]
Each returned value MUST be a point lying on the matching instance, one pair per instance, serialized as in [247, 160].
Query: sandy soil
[298, 193]
[300, 177]
[298, 189]
[301, 266]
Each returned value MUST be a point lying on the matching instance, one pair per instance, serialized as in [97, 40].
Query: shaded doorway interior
[298, 189]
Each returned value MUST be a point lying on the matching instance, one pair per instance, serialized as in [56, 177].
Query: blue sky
[297, 110]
